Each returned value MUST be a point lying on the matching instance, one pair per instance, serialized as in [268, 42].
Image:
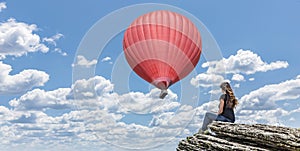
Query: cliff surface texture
[243, 137]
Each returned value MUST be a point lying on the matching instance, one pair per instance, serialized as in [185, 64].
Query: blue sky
[56, 96]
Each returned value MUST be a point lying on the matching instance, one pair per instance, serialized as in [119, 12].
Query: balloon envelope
[162, 47]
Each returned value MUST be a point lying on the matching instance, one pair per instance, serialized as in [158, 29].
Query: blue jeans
[223, 119]
[209, 117]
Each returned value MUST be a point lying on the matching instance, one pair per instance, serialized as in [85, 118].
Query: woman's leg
[223, 119]
[208, 118]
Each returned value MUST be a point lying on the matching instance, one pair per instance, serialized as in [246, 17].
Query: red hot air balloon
[162, 47]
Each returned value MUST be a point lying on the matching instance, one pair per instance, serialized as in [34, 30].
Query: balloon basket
[163, 94]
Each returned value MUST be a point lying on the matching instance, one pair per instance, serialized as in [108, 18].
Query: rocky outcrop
[241, 137]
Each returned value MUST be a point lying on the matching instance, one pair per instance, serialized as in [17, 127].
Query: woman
[227, 103]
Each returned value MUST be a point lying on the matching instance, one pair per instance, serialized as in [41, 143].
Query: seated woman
[227, 103]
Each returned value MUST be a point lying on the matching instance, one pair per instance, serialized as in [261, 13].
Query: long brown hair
[225, 86]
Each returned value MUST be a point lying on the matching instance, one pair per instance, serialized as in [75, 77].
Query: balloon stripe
[161, 33]
[174, 22]
[178, 61]
[139, 69]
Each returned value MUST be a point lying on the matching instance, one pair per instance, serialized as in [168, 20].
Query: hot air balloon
[162, 47]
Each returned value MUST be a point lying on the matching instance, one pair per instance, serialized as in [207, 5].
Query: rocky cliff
[231, 136]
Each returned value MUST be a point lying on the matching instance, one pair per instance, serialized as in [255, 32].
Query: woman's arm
[221, 106]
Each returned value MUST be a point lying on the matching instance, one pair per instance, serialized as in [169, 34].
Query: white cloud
[292, 119]
[39, 100]
[238, 77]
[105, 59]
[215, 91]
[251, 79]
[98, 92]
[207, 80]
[244, 62]
[296, 110]
[265, 97]
[260, 106]
[98, 116]
[272, 116]
[148, 103]
[83, 93]
[211, 106]
[52, 40]
[21, 82]
[82, 61]
[2, 6]
[95, 93]
[60, 51]
[96, 86]
[169, 120]
[18, 38]
[236, 85]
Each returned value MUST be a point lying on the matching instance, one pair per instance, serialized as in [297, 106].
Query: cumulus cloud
[82, 61]
[148, 103]
[238, 77]
[251, 79]
[83, 93]
[266, 97]
[91, 88]
[21, 82]
[96, 93]
[60, 51]
[105, 59]
[18, 38]
[38, 99]
[52, 40]
[243, 62]
[167, 119]
[272, 116]
[2, 6]
[98, 116]
[261, 105]
[207, 80]
[215, 91]
[236, 85]
[101, 111]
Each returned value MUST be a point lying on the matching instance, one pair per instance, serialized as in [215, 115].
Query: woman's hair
[225, 86]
